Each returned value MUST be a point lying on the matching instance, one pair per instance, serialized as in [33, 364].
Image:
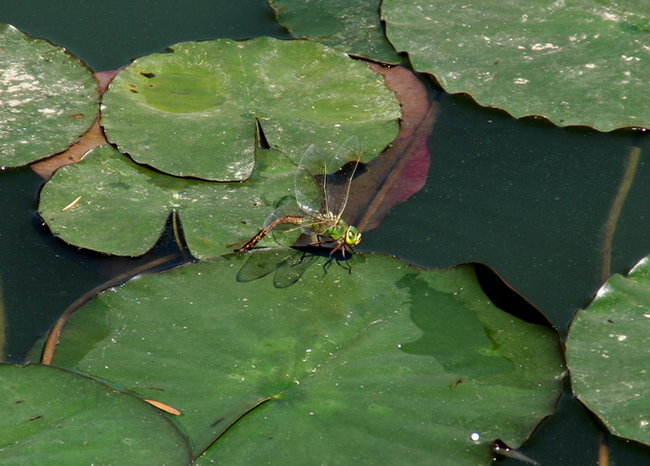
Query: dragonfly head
[352, 236]
[345, 235]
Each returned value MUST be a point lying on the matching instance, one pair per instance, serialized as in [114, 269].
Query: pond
[523, 196]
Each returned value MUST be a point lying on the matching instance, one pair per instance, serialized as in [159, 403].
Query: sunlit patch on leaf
[48, 98]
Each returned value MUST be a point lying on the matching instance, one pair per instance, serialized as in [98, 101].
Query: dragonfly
[321, 198]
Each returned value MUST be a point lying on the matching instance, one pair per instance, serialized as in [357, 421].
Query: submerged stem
[616, 208]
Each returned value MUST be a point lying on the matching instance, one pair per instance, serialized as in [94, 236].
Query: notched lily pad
[48, 98]
[192, 111]
[352, 359]
[580, 63]
[108, 203]
[608, 350]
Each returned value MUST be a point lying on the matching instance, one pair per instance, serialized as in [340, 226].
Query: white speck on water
[475, 436]
[521, 81]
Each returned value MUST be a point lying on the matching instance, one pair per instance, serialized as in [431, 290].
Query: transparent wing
[310, 181]
[285, 207]
[284, 234]
[323, 185]
[343, 167]
[293, 268]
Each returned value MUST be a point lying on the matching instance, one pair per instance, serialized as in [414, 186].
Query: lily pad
[53, 416]
[351, 25]
[192, 111]
[608, 350]
[108, 203]
[368, 358]
[48, 98]
[580, 63]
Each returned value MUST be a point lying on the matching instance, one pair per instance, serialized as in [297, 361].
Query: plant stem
[617, 206]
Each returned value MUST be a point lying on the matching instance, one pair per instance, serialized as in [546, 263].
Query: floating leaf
[110, 204]
[48, 98]
[608, 350]
[353, 26]
[370, 358]
[582, 63]
[92, 138]
[192, 111]
[53, 416]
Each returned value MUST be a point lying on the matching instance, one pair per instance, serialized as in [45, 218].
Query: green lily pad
[353, 26]
[48, 98]
[583, 63]
[369, 358]
[608, 350]
[53, 416]
[108, 203]
[192, 111]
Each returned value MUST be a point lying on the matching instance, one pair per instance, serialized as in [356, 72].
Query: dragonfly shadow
[288, 265]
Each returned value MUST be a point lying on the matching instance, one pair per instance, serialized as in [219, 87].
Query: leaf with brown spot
[92, 138]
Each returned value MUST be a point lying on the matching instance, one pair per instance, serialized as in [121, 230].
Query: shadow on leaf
[288, 265]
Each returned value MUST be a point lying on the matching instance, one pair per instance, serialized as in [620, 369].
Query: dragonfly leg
[340, 245]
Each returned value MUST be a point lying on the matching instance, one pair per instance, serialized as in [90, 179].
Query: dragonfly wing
[310, 181]
[286, 207]
[343, 167]
[284, 234]
[293, 268]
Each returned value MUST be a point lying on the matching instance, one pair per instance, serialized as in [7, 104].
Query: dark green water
[526, 198]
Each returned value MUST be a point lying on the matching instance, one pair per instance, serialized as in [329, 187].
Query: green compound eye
[352, 236]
